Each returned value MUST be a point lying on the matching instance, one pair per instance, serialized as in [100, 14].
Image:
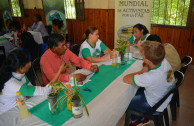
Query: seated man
[155, 79]
[58, 54]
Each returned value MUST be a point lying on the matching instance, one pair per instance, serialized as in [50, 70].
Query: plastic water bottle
[126, 56]
[114, 56]
[21, 105]
[68, 92]
[118, 61]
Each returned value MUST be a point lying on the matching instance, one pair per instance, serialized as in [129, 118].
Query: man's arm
[48, 71]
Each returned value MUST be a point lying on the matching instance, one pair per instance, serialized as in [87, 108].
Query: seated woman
[38, 26]
[29, 44]
[139, 32]
[59, 28]
[13, 79]
[92, 47]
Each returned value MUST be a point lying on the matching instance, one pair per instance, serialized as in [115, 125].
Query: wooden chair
[36, 70]
[152, 114]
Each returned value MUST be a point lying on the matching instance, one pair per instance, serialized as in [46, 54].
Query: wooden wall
[103, 19]
[181, 38]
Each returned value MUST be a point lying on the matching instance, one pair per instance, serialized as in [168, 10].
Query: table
[37, 37]
[105, 110]
[7, 45]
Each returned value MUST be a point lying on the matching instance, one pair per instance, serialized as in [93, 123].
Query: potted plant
[75, 98]
[52, 97]
[121, 47]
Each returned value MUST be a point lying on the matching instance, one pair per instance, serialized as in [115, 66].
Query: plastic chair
[175, 102]
[152, 114]
[36, 69]
[2, 54]
[186, 61]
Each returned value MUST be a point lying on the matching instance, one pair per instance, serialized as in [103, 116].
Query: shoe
[136, 123]
[145, 122]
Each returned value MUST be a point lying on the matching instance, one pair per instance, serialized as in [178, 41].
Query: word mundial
[134, 3]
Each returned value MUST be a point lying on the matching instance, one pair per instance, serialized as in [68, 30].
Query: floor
[185, 114]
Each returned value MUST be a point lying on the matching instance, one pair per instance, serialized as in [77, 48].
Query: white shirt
[39, 27]
[8, 97]
[156, 85]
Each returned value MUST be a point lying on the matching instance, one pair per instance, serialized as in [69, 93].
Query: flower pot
[77, 110]
[52, 99]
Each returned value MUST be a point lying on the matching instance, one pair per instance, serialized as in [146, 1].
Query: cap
[18, 93]
[113, 49]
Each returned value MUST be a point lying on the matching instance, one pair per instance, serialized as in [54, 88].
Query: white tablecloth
[105, 110]
[37, 37]
[8, 46]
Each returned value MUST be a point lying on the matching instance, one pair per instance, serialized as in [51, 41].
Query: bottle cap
[127, 41]
[18, 93]
[68, 85]
[113, 49]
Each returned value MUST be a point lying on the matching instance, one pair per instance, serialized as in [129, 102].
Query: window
[170, 12]
[16, 8]
[74, 9]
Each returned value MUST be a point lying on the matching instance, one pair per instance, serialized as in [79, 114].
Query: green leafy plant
[121, 46]
[73, 95]
[56, 87]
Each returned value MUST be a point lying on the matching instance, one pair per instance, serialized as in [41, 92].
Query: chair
[2, 54]
[175, 102]
[152, 114]
[75, 49]
[36, 69]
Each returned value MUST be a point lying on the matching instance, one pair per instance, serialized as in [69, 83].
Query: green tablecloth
[99, 81]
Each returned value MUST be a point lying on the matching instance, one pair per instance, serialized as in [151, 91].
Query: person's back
[172, 55]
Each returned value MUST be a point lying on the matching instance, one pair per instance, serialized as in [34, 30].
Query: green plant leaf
[84, 105]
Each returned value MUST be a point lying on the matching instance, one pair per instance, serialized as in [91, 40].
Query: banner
[128, 13]
[54, 9]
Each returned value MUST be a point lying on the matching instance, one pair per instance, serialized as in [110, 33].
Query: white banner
[128, 13]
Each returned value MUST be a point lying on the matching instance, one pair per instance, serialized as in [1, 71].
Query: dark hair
[58, 23]
[154, 37]
[38, 16]
[16, 25]
[89, 30]
[54, 40]
[141, 27]
[29, 44]
[14, 61]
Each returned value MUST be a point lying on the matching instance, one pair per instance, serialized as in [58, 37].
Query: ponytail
[84, 37]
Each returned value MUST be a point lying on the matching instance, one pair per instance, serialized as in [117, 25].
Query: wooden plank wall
[103, 19]
[181, 38]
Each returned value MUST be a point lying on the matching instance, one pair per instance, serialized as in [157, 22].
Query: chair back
[185, 63]
[179, 77]
[75, 49]
[37, 71]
